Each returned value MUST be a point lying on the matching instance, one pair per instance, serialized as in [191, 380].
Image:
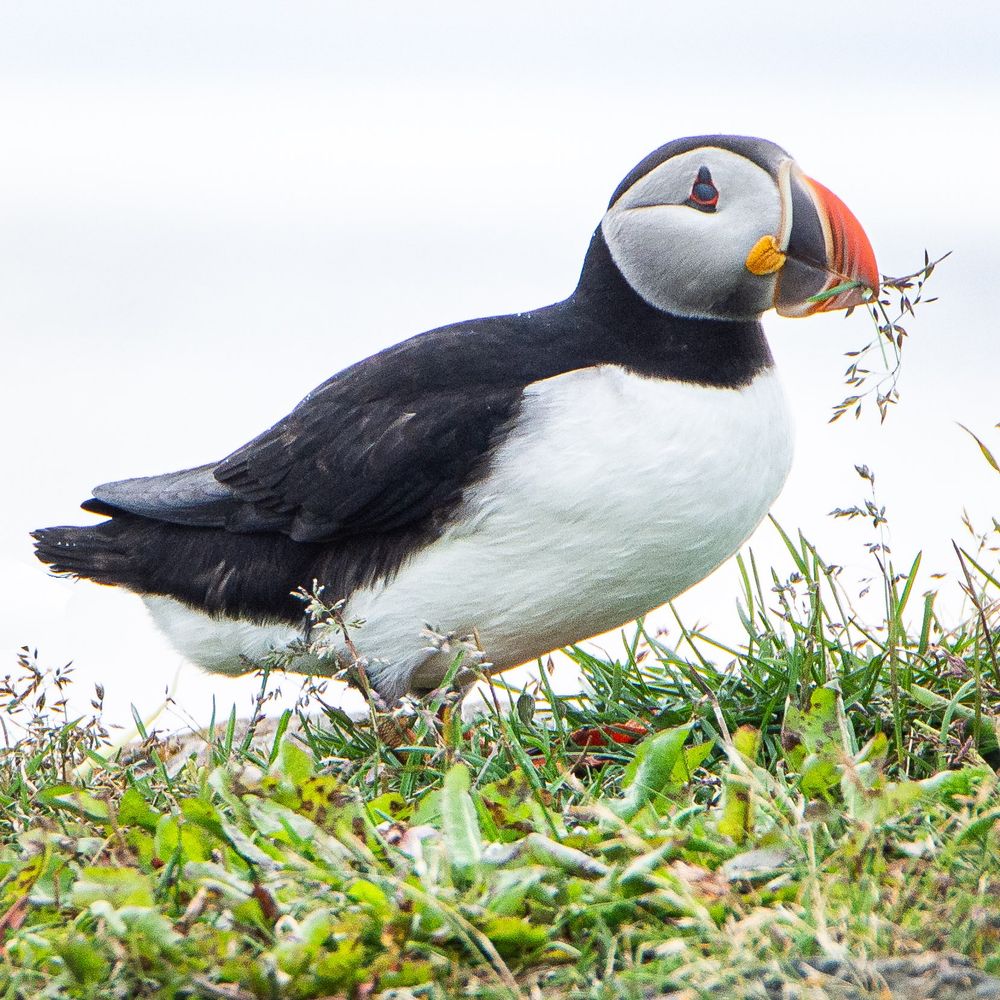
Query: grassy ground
[764, 825]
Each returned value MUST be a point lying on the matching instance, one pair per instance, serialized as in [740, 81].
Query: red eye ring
[704, 194]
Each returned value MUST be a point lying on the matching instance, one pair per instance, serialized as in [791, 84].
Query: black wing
[192, 496]
[336, 466]
[386, 444]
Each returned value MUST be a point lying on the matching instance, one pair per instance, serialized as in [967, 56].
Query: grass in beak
[836, 290]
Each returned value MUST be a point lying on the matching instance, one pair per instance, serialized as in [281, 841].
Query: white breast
[613, 494]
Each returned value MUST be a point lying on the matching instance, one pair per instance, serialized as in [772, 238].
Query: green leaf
[75, 800]
[509, 888]
[84, 961]
[370, 895]
[428, 809]
[869, 797]
[294, 763]
[321, 797]
[987, 454]
[134, 810]
[737, 813]
[947, 786]
[812, 743]
[244, 845]
[173, 836]
[119, 886]
[818, 776]
[569, 859]
[817, 729]
[737, 820]
[203, 814]
[746, 739]
[342, 967]
[232, 889]
[689, 761]
[459, 825]
[875, 751]
[143, 926]
[507, 808]
[515, 937]
[525, 705]
[410, 973]
[980, 827]
[391, 806]
[650, 772]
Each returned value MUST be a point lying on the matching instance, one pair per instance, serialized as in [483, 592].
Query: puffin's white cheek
[676, 258]
[643, 243]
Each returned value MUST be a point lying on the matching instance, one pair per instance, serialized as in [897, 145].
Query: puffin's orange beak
[826, 259]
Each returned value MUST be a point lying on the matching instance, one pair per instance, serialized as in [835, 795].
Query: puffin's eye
[704, 194]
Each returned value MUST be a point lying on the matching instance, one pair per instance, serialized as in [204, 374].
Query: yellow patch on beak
[765, 257]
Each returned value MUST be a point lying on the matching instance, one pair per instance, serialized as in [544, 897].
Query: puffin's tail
[249, 575]
[98, 552]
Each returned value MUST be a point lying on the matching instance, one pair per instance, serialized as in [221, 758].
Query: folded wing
[377, 448]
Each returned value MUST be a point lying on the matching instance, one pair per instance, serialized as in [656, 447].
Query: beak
[824, 248]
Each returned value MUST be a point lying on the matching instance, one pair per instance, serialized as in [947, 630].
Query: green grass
[701, 821]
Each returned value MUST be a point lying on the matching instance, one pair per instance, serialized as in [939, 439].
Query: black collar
[606, 321]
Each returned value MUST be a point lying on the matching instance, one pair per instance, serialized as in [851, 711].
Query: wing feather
[392, 462]
[385, 445]
[191, 496]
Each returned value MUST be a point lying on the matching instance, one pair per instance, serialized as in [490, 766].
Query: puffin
[516, 483]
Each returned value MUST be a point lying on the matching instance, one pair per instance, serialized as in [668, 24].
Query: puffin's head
[727, 227]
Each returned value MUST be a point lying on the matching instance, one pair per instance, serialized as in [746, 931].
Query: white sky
[210, 207]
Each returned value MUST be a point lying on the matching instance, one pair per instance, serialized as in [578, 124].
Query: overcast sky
[208, 208]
